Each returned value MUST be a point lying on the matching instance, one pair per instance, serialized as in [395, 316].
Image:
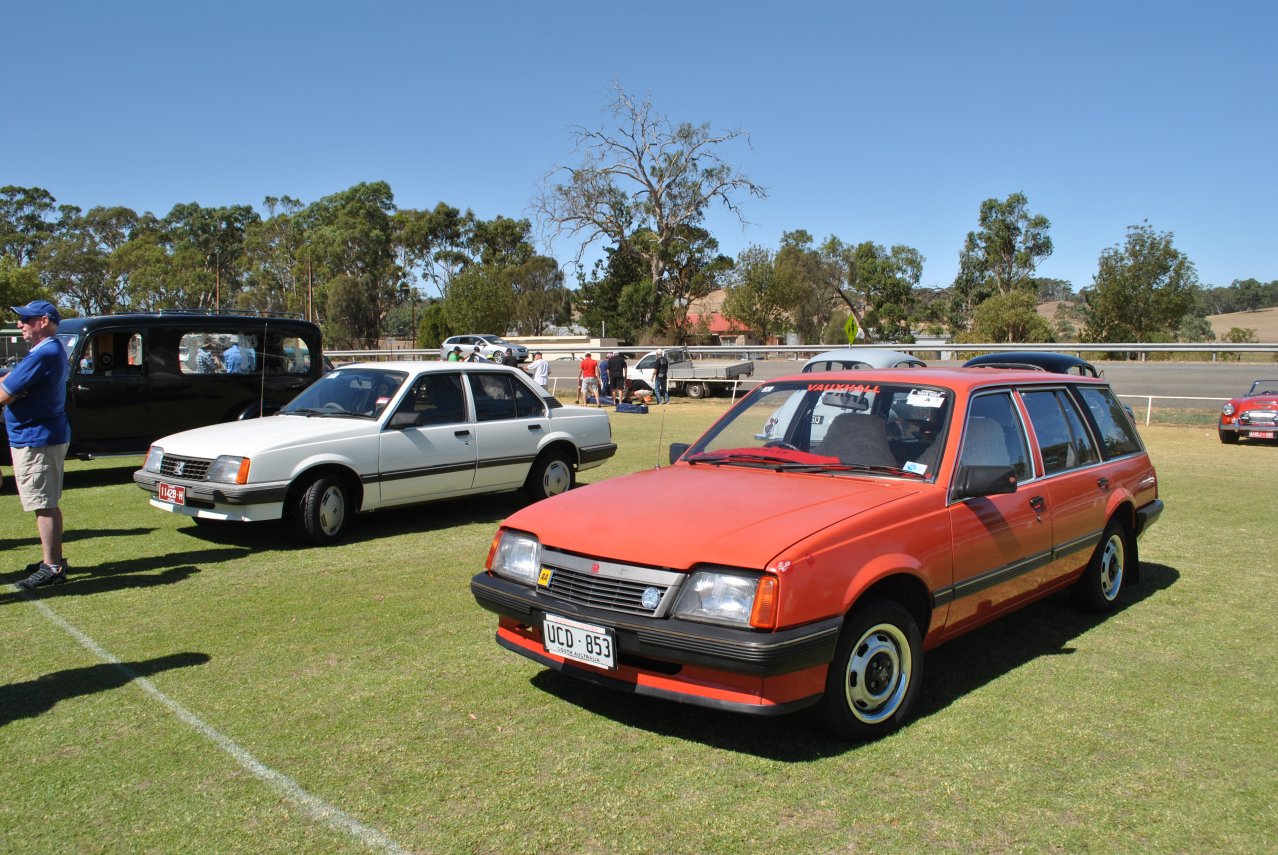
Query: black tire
[551, 474]
[876, 672]
[323, 510]
[696, 390]
[1228, 437]
[1102, 581]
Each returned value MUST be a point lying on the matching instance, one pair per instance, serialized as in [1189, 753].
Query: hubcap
[1111, 568]
[558, 477]
[878, 674]
[332, 510]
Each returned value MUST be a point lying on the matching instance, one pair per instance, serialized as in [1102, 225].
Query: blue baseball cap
[37, 309]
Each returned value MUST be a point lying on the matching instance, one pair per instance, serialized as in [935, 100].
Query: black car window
[1062, 437]
[435, 399]
[1117, 434]
[500, 396]
[994, 435]
[111, 353]
[494, 397]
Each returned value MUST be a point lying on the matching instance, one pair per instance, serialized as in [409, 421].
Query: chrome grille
[587, 590]
[1258, 417]
[187, 468]
[605, 585]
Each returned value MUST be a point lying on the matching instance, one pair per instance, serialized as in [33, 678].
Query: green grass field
[270, 698]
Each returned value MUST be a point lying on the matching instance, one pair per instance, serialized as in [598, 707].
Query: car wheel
[696, 390]
[1228, 437]
[877, 668]
[551, 474]
[323, 509]
[1102, 581]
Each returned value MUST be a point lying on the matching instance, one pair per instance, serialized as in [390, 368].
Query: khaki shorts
[38, 474]
[590, 385]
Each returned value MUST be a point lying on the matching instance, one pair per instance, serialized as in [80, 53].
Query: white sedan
[379, 435]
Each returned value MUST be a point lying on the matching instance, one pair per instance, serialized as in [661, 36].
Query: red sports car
[1254, 415]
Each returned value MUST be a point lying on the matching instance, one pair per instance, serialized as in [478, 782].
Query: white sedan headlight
[516, 556]
[154, 458]
[717, 597]
[229, 470]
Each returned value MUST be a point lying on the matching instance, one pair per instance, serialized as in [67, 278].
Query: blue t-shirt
[37, 416]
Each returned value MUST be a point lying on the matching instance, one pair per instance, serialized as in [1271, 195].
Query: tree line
[639, 187]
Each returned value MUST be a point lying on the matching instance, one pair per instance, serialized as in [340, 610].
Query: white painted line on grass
[321, 810]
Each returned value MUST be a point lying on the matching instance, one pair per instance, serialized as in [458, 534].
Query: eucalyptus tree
[762, 295]
[642, 183]
[207, 245]
[82, 262]
[274, 259]
[877, 285]
[349, 248]
[1142, 289]
[1001, 255]
[541, 299]
[29, 216]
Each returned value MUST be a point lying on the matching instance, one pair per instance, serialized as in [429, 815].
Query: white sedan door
[428, 446]
[510, 423]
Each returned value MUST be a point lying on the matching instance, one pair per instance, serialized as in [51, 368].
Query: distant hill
[1264, 322]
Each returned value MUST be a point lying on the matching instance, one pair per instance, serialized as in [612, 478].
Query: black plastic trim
[736, 651]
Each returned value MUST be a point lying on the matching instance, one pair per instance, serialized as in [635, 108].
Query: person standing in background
[34, 396]
[588, 381]
[540, 369]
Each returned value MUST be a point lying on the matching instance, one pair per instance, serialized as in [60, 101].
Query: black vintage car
[137, 377]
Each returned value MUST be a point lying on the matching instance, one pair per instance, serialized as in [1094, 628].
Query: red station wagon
[824, 534]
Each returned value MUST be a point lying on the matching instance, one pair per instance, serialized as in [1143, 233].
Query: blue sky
[882, 121]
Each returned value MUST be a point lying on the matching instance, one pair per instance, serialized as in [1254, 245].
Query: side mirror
[974, 481]
[402, 420]
[677, 450]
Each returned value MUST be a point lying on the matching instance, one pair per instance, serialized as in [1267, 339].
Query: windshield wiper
[848, 467]
[740, 457]
[315, 411]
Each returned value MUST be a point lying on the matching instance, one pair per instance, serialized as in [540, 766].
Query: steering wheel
[333, 407]
[781, 443]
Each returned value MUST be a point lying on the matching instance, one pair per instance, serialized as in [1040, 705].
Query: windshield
[1264, 387]
[348, 392]
[68, 341]
[832, 427]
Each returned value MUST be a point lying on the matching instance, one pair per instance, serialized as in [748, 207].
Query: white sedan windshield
[360, 392]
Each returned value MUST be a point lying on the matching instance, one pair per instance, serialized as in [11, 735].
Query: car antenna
[261, 371]
[661, 433]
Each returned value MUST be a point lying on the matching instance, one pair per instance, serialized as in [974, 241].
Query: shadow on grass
[951, 671]
[279, 535]
[34, 697]
[72, 536]
[126, 574]
[100, 476]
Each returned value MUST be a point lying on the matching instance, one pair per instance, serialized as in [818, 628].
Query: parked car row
[809, 549]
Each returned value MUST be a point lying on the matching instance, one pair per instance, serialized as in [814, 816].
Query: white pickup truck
[694, 379]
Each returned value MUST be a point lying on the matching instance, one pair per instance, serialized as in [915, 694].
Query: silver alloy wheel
[1112, 560]
[331, 512]
[878, 674]
[557, 478]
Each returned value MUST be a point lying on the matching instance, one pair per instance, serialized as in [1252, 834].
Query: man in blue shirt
[34, 395]
[233, 359]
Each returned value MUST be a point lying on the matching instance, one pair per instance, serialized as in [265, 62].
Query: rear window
[1117, 433]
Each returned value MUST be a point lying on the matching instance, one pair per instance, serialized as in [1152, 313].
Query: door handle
[461, 433]
[1103, 483]
[1038, 504]
[534, 427]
